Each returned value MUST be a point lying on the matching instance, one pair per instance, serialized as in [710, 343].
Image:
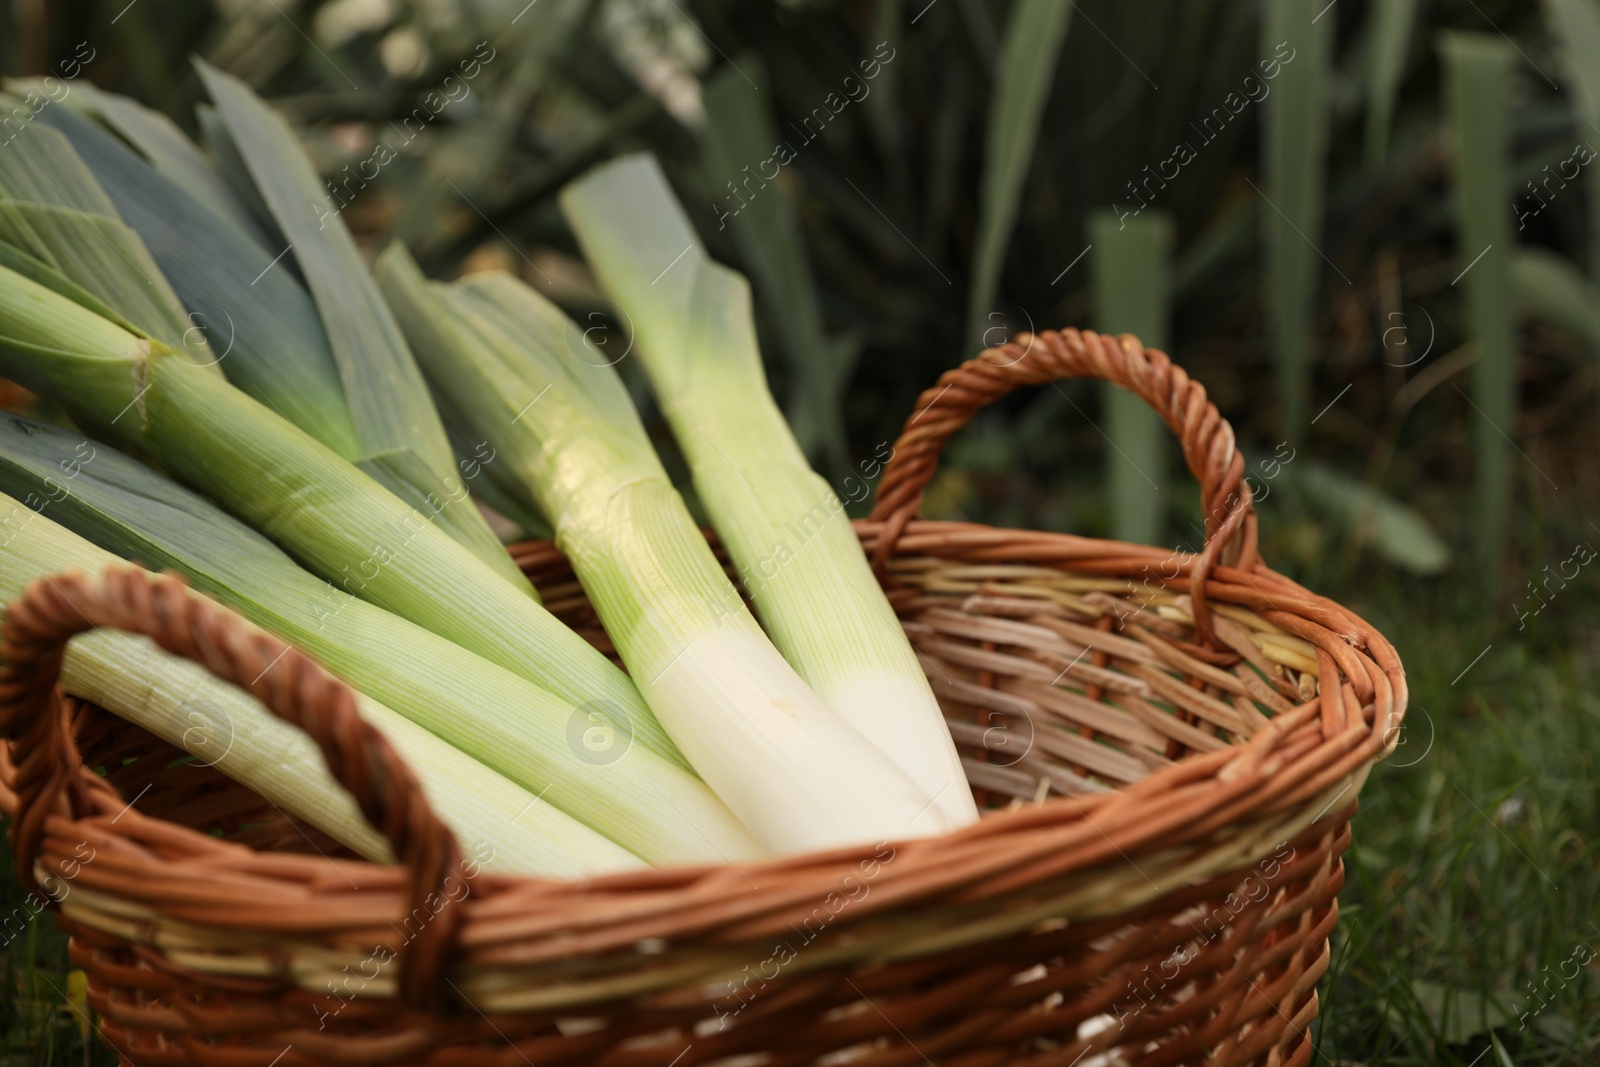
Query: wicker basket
[1172, 744]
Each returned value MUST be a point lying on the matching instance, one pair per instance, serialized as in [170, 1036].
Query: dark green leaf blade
[1389, 27]
[166, 148]
[263, 326]
[1575, 24]
[1477, 68]
[1034, 34]
[1295, 141]
[388, 399]
[1551, 288]
[1397, 531]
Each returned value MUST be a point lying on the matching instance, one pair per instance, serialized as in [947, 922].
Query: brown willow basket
[1170, 746]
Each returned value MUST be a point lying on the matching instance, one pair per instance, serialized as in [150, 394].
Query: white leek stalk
[784, 527]
[798, 775]
[500, 824]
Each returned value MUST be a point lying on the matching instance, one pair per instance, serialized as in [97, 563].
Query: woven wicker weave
[1174, 744]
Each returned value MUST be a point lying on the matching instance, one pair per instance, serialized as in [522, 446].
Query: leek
[631, 794]
[798, 775]
[140, 394]
[499, 823]
[240, 308]
[784, 527]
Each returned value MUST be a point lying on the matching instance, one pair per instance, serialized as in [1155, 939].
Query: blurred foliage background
[1372, 229]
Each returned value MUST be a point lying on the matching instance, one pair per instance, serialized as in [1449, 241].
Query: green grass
[1474, 862]
[38, 1025]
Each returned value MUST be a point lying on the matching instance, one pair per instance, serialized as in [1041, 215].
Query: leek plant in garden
[798, 775]
[1294, 150]
[1476, 74]
[226, 727]
[1024, 71]
[783, 525]
[650, 805]
[1130, 283]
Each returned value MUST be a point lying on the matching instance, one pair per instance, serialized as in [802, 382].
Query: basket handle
[49, 767]
[1038, 359]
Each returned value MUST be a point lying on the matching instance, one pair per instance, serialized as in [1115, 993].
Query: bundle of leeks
[183, 305]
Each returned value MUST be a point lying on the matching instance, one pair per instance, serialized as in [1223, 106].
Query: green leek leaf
[387, 398]
[166, 148]
[265, 329]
